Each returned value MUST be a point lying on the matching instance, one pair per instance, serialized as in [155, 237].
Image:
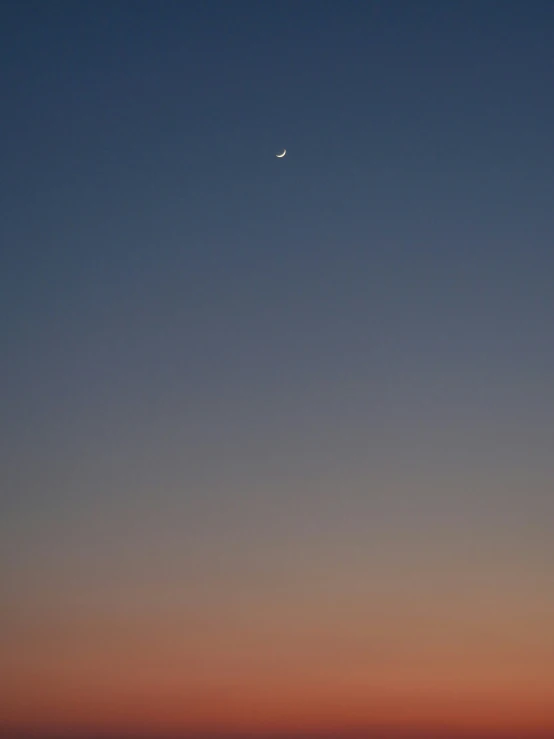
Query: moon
[280, 156]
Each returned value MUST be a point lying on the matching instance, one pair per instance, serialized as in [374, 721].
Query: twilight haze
[277, 433]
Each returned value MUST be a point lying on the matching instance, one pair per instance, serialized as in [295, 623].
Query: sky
[276, 434]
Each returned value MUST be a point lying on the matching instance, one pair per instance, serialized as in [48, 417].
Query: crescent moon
[280, 156]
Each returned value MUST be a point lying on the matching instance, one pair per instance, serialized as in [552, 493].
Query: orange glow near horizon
[301, 706]
[310, 669]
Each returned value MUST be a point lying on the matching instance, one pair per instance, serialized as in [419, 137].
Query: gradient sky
[277, 434]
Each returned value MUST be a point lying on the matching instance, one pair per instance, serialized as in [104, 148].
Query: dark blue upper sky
[164, 276]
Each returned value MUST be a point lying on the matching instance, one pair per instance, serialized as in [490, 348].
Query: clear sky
[277, 434]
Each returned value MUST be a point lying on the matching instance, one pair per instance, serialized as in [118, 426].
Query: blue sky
[222, 357]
